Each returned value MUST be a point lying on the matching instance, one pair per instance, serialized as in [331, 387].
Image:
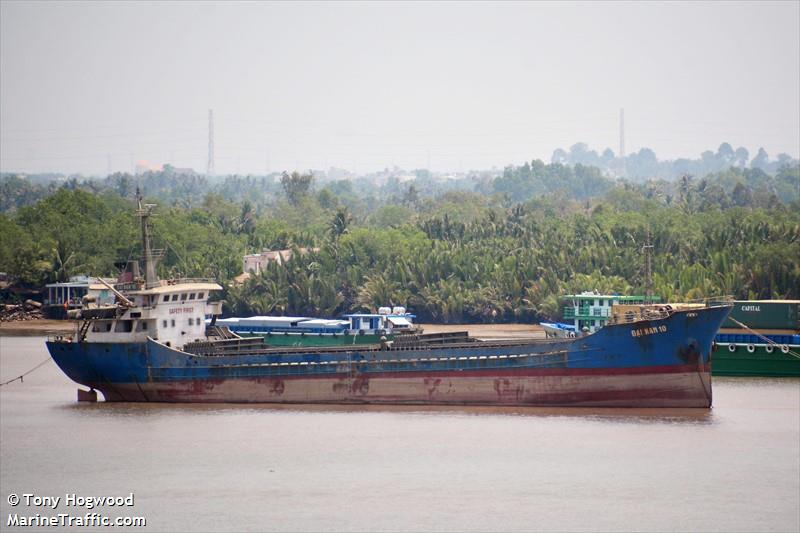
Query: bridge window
[183, 296]
[124, 326]
[166, 297]
[191, 296]
[174, 297]
[200, 295]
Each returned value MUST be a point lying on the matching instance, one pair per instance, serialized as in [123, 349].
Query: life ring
[751, 348]
[731, 347]
[769, 348]
[784, 348]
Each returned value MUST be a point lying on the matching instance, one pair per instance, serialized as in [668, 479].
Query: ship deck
[455, 340]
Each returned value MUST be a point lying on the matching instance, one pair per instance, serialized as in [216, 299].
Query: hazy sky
[85, 87]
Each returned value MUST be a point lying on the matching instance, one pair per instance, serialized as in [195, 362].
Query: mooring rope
[762, 337]
[21, 376]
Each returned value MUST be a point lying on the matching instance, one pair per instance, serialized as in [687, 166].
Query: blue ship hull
[658, 363]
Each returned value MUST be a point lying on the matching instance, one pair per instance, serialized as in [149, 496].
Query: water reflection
[615, 414]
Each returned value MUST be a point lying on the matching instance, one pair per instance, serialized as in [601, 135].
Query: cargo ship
[759, 338]
[153, 345]
[357, 328]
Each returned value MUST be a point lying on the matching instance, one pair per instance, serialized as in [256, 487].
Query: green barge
[759, 338]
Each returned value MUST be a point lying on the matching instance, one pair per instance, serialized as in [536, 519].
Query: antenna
[622, 140]
[210, 168]
[647, 249]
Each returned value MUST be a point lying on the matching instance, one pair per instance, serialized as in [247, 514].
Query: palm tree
[340, 223]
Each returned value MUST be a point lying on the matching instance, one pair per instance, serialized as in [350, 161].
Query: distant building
[255, 263]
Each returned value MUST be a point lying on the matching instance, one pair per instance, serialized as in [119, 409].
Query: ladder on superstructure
[84, 329]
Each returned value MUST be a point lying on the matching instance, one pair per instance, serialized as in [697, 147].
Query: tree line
[644, 164]
[507, 250]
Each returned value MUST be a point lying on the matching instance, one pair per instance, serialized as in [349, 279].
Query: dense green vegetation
[491, 250]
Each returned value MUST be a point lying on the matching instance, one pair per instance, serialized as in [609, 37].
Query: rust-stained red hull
[687, 387]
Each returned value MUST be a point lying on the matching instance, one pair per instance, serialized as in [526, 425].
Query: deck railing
[181, 281]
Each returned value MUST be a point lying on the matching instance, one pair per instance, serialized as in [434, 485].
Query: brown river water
[735, 467]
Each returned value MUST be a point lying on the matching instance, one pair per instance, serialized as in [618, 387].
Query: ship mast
[149, 255]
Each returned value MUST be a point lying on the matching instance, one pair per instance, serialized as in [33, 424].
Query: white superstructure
[171, 313]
